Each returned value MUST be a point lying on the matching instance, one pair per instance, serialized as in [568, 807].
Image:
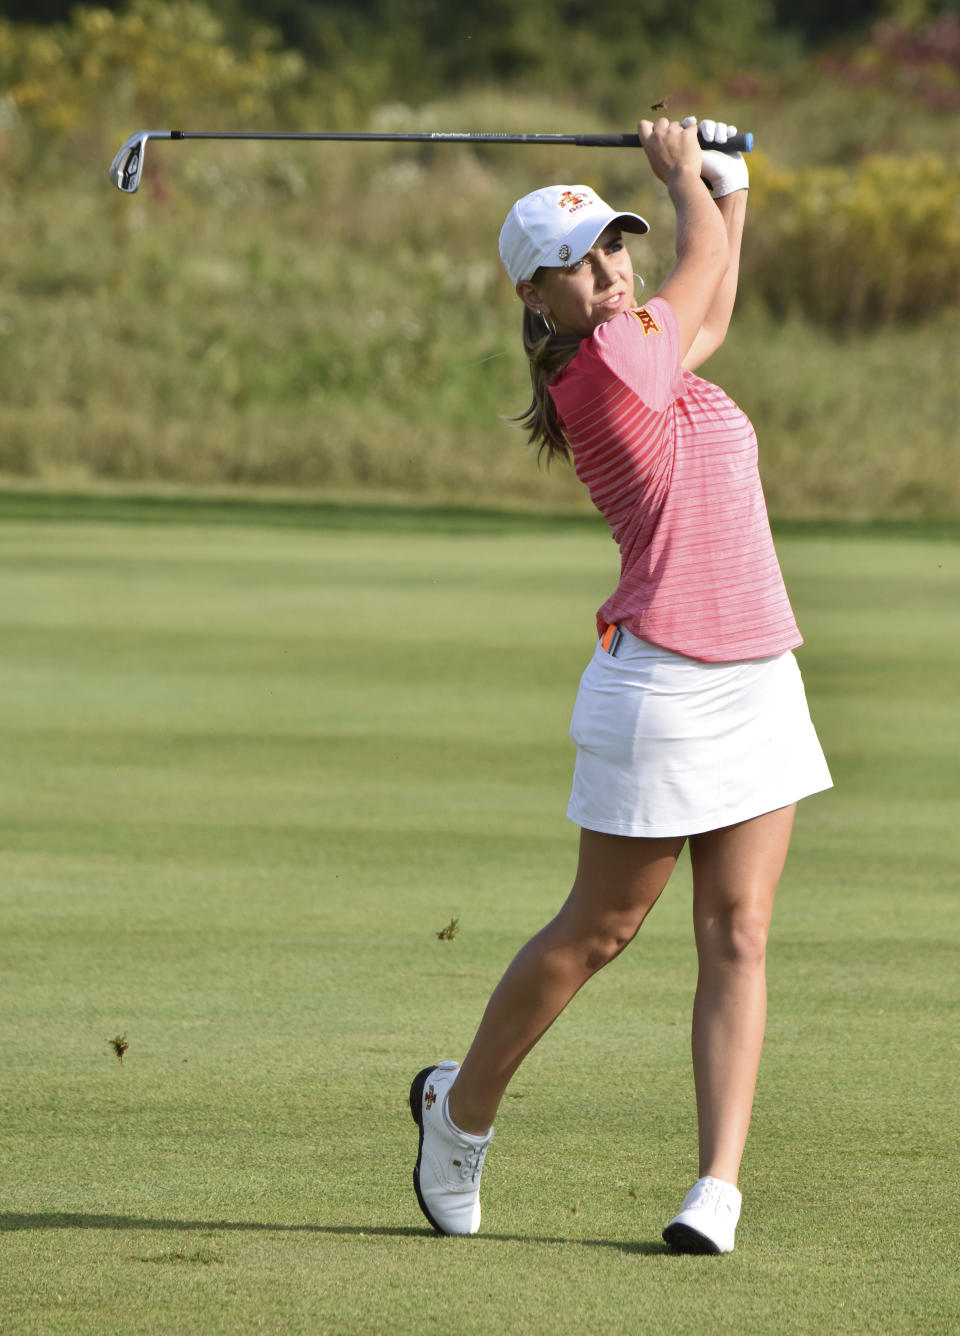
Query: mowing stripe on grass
[253, 768]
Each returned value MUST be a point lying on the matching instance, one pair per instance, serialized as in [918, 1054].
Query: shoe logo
[430, 1098]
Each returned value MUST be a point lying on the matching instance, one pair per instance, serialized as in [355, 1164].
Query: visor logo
[563, 254]
[573, 202]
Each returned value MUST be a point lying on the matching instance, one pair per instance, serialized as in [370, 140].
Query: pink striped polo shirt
[671, 463]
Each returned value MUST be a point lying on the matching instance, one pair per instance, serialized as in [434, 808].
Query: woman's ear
[531, 298]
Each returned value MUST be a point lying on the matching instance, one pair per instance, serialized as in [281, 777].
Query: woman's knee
[618, 882]
[607, 941]
[597, 939]
[735, 937]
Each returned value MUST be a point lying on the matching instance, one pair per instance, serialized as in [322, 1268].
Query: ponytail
[547, 355]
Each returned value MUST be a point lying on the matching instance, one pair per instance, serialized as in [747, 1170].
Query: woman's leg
[618, 882]
[735, 875]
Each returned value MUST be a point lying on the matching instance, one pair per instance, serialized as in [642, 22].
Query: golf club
[127, 167]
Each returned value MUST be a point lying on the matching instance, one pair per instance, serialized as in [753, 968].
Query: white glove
[723, 172]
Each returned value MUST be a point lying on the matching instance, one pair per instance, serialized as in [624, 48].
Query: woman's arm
[716, 322]
[702, 245]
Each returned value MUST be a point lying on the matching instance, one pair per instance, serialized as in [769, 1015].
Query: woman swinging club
[690, 723]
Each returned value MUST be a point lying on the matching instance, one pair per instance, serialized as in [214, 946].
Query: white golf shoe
[707, 1220]
[449, 1162]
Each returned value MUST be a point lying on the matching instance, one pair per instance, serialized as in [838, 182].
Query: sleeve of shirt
[642, 349]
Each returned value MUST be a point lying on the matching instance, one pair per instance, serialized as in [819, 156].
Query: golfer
[690, 723]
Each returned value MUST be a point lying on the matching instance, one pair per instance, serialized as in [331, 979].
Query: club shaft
[740, 143]
[127, 167]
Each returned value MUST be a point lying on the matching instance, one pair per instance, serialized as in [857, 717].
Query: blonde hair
[547, 355]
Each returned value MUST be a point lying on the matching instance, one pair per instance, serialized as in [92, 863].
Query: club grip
[739, 143]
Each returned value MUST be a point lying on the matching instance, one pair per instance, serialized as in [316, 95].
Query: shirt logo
[647, 322]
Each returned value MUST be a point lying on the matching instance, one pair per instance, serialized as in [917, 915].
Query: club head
[127, 167]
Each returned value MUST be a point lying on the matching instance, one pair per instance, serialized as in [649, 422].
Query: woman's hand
[723, 172]
[672, 148]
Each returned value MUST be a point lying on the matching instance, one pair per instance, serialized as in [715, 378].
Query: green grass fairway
[255, 759]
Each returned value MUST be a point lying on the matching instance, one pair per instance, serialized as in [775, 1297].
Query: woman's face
[583, 295]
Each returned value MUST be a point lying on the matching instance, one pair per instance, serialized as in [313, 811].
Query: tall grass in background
[335, 318]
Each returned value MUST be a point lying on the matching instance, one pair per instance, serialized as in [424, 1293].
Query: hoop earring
[550, 326]
[642, 284]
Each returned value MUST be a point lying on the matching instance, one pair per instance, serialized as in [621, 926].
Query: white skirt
[670, 746]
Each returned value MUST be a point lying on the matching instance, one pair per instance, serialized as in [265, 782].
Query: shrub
[855, 246]
[153, 64]
[922, 62]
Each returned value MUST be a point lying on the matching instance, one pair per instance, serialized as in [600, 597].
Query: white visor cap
[556, 226]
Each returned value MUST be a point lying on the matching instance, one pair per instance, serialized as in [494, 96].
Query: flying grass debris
[119, 1045]
[448, 933]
